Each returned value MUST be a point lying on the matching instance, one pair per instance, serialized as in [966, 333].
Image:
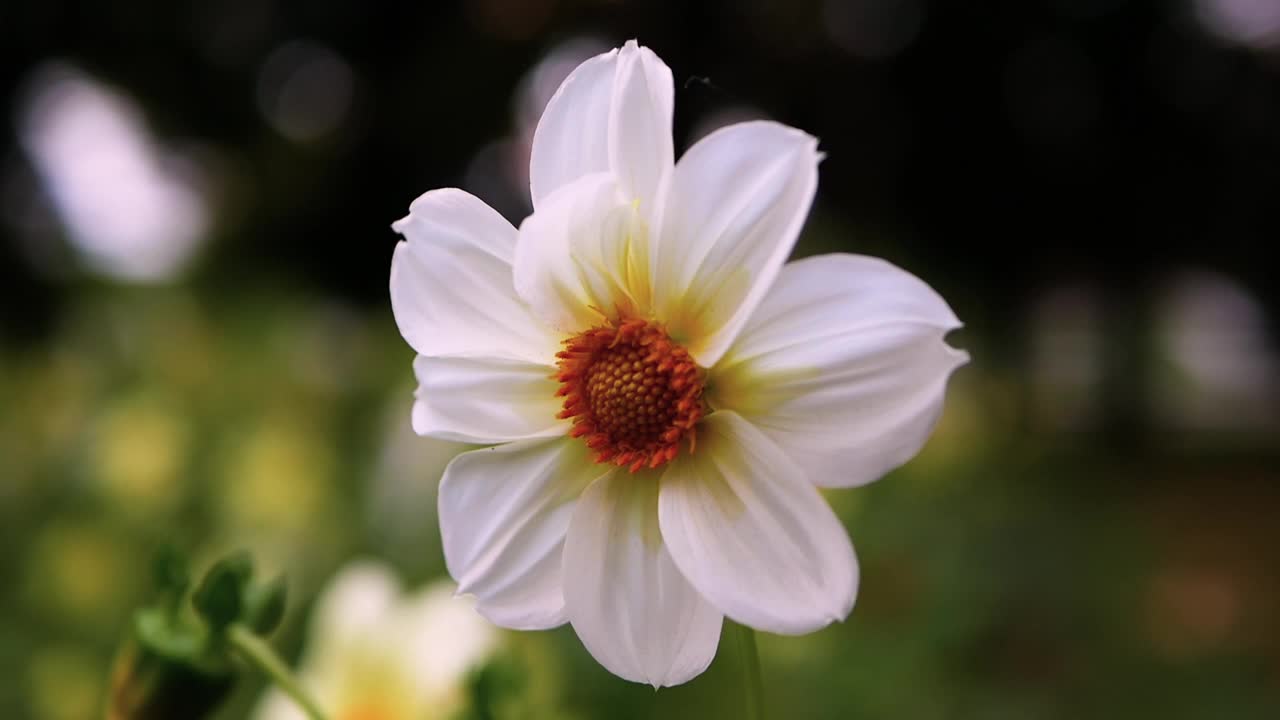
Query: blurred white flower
[135, 209]
[375, 652]
[659, 471]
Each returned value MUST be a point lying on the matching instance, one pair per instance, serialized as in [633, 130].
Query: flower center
[634, 394]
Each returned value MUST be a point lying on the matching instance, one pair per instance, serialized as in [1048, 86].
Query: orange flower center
[634, 394]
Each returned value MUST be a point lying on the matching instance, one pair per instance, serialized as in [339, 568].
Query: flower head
[663, 394]
[377, 653]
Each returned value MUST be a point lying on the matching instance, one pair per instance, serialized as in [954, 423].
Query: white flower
[665, 396]
[376, 653]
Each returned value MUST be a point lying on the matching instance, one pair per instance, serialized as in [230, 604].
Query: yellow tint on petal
[374, 710]
[697, 316]
[636, 265]
[751, 392]
[717, 456]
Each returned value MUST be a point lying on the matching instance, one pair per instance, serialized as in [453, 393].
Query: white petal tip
[487, 613]
[421, 427]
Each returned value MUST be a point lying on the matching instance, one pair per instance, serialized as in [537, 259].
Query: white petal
[640, 146]
[275, 705]
[844, 364]
[628, 603]
[572, 137]
[485, 400]
[354, 603]
[432, 620]
[752, 535]
[734, 208]
[451, 282]
[613, 113]
[583, 256]
[503, 516]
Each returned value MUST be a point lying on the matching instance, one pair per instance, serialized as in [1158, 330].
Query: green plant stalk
[749, 659]
[255, 651]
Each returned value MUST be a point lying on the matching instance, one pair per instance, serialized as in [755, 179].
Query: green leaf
[175, 641]
[220, 597]
[172, 571]
[267, 604]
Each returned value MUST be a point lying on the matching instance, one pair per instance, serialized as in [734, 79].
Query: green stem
[255, 651]
[749, 659]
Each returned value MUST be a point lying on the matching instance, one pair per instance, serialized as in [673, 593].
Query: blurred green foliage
[1007, 572]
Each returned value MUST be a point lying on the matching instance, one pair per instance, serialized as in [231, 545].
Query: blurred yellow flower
[277, 478]
[376, 652]
[63, 683]
[80, 573]
[140, 451]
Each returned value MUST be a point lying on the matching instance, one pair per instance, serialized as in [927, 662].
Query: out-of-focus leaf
[265, 606]
[220, 599]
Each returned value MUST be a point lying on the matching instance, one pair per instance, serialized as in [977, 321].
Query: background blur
[196, 343]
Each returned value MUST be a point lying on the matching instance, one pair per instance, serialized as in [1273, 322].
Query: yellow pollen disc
[634, 394]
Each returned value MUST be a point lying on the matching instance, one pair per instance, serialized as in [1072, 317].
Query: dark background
[1003, 146]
